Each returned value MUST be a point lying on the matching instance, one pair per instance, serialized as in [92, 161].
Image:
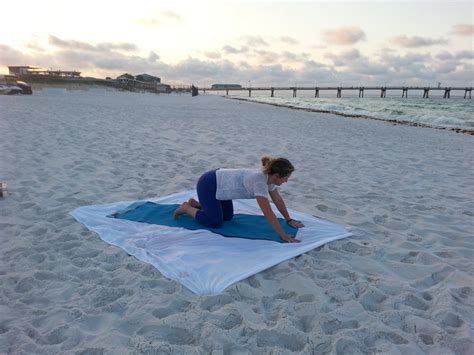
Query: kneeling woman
[217, 188]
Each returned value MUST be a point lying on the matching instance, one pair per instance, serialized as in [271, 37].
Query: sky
[246, 42]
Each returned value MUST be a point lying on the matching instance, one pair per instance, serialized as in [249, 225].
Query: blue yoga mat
[241, 226]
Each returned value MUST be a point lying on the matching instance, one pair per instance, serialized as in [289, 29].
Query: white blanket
[204, 262]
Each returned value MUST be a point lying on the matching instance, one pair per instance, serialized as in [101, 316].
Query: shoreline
[391, 121]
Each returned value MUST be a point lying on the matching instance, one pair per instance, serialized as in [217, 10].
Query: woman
[217, 188]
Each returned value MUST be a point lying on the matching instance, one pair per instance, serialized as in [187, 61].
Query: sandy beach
[402, 284]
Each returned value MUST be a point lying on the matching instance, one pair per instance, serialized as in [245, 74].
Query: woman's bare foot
[193, 203]
[181, 210]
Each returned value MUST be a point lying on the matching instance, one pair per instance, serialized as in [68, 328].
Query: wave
[454, 113]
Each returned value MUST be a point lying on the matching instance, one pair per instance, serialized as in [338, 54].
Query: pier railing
[339, 89]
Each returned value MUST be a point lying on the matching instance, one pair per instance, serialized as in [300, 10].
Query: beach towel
[204, 262]
[247, 226]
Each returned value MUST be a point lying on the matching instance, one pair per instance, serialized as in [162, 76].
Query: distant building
[29, 70]
[125, 77]
[165, 88]
[226, 86]
[20, 70]
[147, 78]
[144, 80]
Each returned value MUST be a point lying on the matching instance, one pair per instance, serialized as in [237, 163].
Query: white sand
[402, 285]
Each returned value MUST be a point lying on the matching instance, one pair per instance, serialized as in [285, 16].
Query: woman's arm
[278, 201]
[272, 219]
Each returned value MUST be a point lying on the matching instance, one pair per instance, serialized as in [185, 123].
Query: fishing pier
[339, 89]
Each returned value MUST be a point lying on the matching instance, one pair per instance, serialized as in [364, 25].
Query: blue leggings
[213, 212]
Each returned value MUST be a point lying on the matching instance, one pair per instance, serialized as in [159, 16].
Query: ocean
[435, 111]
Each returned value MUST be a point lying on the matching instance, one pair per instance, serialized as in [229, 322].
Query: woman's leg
[211, 212]
[227, 209]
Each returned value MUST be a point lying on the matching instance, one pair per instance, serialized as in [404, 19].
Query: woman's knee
[213, 222]
[216, 224]
[210, 221]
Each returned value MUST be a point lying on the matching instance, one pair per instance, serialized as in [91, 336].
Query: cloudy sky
[255, 42]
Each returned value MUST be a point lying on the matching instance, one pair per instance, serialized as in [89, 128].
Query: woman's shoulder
[256, 175]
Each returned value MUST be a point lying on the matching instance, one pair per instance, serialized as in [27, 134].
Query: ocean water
[435, 111]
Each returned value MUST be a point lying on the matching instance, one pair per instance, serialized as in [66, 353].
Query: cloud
[447, 62]
[444, 55]
[198, 71]
[104, 62]
[274, 74]
[84, 46]
[464, 55]
[312, 73]
[355, 68]
[10, 56]
[243, 65]
[402, 60]
[344, 58]
[294, 57]
[444, 67]
[463, 30]
[254, 41]
[213, 55]
[289, 40]
[408, 66]
[344, 35]
[69, 44]
[233, 50]
[159, 19]
[33, 46]
[460, 55]
[266, 57]
[416, 41]
[153, 57]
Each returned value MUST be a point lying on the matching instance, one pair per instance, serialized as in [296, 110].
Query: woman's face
[279, 180]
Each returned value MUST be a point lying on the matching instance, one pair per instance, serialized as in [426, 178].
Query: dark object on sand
[194, 91]
[25, 87]
[10, 86]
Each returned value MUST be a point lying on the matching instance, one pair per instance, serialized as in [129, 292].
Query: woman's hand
[290, 239]
[295, 224]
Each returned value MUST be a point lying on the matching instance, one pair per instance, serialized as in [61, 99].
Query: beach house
[23, 70]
